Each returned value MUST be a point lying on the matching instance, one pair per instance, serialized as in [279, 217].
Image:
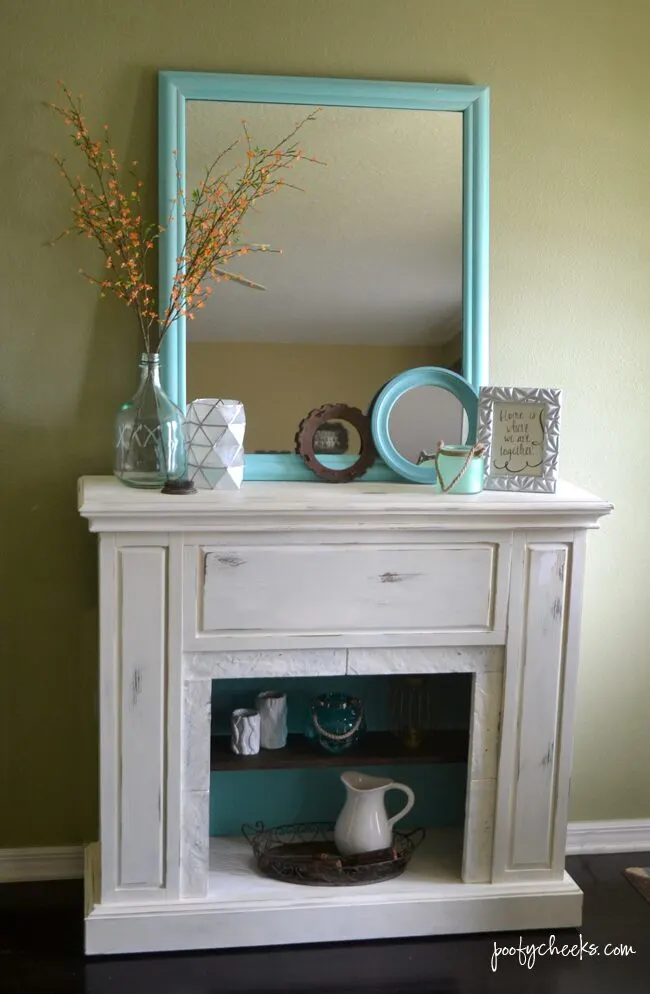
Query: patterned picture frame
[520, 429]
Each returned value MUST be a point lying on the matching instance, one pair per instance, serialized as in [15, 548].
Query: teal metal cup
[460, 468]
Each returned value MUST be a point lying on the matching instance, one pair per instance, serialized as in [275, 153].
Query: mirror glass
[424, 416]
[369, 279]
[336, 438]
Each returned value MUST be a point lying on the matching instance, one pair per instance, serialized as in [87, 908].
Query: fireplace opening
[415, 730]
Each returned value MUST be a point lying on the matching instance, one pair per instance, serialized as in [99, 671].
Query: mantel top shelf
[111, 506]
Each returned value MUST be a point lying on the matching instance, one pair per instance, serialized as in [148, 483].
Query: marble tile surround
[199, 669]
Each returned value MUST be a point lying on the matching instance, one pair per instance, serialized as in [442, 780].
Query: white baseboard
[626, 835]
[41, 863]
[66, 862]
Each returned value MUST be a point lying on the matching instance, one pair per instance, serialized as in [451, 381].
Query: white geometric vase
[214, 434]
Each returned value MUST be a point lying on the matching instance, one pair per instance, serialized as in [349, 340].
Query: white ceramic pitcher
[363, 824]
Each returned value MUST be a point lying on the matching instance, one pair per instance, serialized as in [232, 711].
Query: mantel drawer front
[348, 588]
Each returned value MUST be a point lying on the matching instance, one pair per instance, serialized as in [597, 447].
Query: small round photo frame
[383, 404]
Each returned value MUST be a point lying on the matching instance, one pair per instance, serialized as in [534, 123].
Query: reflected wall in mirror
[383, 262]
[369, 279]
[424, 416]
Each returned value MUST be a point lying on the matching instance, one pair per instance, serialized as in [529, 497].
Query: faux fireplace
[288, 580]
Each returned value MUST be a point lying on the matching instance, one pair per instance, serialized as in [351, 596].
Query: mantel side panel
[541, 663]
[133, 606]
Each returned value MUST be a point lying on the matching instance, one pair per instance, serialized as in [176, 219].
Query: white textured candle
[245, 732]
[272, 706]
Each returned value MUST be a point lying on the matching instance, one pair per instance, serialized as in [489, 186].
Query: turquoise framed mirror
[418, 409]
[384, 248]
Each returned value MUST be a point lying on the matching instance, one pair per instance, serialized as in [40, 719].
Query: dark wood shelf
[375, 749]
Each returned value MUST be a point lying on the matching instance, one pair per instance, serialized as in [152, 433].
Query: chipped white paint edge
[487, 695]
[270, 663]
[479, 831]
[425, 659]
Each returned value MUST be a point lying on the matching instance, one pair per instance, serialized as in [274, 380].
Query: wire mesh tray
[306, 853]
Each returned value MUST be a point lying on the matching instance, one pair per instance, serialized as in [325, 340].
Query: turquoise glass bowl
[338, 722]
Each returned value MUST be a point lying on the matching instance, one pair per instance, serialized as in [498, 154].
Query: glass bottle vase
[149, 437]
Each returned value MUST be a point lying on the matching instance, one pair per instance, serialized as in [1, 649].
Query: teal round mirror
[415, 411]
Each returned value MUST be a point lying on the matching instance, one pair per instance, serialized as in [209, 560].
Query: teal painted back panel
[450, 695]
[288, 466]
[279, 797]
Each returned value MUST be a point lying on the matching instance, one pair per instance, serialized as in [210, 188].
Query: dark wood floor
[41, 941]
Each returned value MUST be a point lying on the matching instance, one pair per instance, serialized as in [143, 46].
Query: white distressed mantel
[290, 579]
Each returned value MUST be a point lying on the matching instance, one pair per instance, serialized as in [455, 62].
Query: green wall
[570, 303]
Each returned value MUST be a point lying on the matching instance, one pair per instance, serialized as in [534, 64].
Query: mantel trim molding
[262, 507]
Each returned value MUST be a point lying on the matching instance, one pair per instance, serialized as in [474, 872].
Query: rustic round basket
[305, 853]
